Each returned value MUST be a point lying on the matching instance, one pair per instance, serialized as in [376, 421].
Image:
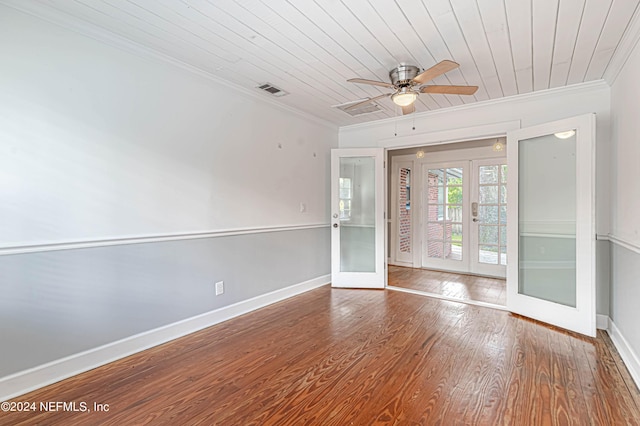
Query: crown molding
[629, 41]
[102, 35]
[524, 97]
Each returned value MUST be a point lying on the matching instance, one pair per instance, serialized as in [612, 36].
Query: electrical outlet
[219, 288]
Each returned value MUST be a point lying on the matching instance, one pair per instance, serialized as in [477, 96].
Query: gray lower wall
[625, 294]
[58, 303]
[603, 277]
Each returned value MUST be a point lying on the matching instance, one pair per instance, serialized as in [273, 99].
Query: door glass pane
[454, 195]
[453, 251]
[489, 194]
[503, 214]
[488, 174]
[503, 235]
[404, 210]
[547, 218]
[489, 254]
[454, 176]
[488, 234]
[435, 231]
[436, 177]
[357, 214]
[488, 214]
[454, 213]
[436, 212]
[434, 249]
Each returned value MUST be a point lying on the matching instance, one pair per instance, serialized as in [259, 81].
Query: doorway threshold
[449, 299]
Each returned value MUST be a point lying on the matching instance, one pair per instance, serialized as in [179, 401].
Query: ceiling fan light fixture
[404, 97]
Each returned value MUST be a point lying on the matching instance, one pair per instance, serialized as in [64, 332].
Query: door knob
[335, 225]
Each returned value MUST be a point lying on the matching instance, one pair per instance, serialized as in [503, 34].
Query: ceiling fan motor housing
[403, 74]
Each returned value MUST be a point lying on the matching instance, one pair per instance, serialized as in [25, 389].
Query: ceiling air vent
[360, 110]
[270, 88]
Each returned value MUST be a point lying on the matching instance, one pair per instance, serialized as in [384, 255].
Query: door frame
[582, 318]
[395, 257]
[471, 155]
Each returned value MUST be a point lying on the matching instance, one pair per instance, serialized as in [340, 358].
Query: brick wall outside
[404, 219]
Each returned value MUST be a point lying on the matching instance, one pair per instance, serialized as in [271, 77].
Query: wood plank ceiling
[309, 48]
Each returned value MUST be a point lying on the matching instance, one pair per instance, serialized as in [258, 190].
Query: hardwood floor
[357, 357]
[457, 286]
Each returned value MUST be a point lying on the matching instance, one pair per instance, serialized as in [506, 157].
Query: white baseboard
[630, 358]
[399, 263]
[602, 322]
[26, 381]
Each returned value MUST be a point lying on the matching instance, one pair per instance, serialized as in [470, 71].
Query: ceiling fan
[408, 84]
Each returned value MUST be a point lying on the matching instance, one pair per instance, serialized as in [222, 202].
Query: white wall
[453, 124]
[97, 143]
[625, 204]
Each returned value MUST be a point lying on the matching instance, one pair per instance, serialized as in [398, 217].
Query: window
[345, 198]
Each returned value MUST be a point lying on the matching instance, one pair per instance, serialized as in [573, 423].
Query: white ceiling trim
[465, 134]
[629, 41]
[104, 36]
[572, 89]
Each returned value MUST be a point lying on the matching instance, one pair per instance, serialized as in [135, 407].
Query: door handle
[335, 225]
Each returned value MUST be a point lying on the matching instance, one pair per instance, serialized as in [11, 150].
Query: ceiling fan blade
[436, 71]
[450, 90]
[366, 101]
[372, 82]
[408, 109]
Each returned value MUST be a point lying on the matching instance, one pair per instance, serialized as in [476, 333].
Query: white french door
[357, 218]
[464, 206]
[551, 231]
[445, 216]
[488, 226]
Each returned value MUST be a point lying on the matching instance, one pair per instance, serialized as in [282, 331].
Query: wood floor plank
[456, 286]
[358, 357]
